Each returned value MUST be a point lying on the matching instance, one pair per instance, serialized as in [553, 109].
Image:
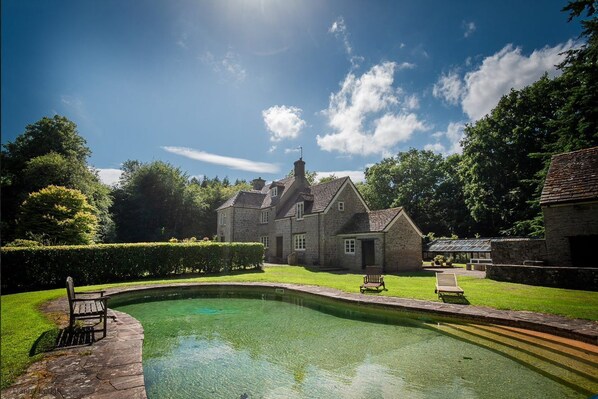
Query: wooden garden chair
[446, 283]
[86, 305]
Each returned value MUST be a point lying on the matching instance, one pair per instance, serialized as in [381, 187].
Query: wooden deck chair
[373, 279]
[86, 305]
[446, 283]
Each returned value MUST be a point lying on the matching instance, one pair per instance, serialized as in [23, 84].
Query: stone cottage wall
[244, 225]
[353, 262]
[516, 252]
[225, 230]
[333, 220]
[564, 221]
[403, 247]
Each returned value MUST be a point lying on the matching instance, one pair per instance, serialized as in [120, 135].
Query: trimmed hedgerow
[48, 267]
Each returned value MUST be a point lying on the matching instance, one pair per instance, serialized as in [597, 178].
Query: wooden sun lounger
[88, 306]
[446, 283]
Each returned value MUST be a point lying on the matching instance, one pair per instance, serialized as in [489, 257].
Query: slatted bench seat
[86, 305]
[372, 282]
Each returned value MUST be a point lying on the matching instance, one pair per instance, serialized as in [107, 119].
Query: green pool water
[259, 348]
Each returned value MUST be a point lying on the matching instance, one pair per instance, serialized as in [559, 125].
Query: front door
[368, 253]
[279, 247]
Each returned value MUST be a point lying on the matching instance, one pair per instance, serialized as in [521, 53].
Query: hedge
[48, 267]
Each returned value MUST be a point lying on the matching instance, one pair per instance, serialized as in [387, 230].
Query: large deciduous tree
[57, 215]
[425, 184]
[50, 152]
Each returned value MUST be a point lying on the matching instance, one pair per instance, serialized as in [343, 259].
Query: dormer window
[300, 208]
[274, 191]
[341, 206]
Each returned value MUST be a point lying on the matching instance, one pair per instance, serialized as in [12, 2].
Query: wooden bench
[86, 305]
[373, 279]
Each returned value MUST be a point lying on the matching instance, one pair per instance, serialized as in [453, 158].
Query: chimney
[258, 183]
[300, 169]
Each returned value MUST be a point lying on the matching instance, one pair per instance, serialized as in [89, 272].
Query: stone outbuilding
[569, 203]
[326, 224]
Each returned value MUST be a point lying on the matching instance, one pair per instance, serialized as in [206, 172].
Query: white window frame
[265, 217]
[299, 210]
[350, 246]
[341, 206]
[299, 242]
[274, 191]
[223, 219]
[265, 240]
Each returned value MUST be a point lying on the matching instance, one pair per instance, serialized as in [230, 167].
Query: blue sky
[232, 88]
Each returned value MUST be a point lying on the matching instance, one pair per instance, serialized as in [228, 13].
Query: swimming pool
[215, 343]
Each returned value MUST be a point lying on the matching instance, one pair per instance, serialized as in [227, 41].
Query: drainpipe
[319, 254]
[232, 231]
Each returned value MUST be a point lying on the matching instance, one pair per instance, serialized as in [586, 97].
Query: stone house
[326, 224]
[569, 203]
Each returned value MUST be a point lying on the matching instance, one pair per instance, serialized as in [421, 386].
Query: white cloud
[109, 176]
[453, 134]
[411, 102]
[283, 122]
[291, 150]
[479, 90]
[468, 28]
[339, 30]
[405, 65]
[449, 88]
[230, 162]
[508, 69]
[228, 66]
[364, 114]
[355, 175]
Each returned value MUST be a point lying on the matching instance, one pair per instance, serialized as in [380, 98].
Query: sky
[234, 88]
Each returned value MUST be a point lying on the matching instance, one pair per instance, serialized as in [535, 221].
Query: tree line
[50, 194]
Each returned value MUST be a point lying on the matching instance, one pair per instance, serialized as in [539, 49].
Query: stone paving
[111, 368]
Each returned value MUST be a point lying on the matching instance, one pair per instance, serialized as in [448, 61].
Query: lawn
[22, 322]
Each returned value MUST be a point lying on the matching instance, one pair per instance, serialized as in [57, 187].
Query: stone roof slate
[370, 222]
[317, 197]
[282, 184]
[572, 177]
[245, 199]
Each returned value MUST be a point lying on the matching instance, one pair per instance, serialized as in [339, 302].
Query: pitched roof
[466, 244]
[284, 183]
[370, 222]
[245, 199]
[572, 177]
[317, 197]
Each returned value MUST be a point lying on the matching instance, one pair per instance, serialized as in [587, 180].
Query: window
[265, 240]
[265, 216]
[274, 191]
[350, 246]
[341, 206]
[223, 219]
[299, 242]
[300, 209]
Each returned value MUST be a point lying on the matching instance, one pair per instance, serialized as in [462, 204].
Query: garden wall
[517, 251]
[48, 267]
[581, 278]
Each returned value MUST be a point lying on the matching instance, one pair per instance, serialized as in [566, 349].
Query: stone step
[574, 373]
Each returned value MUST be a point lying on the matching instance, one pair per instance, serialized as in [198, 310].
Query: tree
[425, 184]
[51, 152]
[576, 121]
[502, 156]
[59, 215]
[327, 179]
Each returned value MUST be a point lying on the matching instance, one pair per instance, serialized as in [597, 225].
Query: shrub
[439, 259]
[47, 267]
[19, 242]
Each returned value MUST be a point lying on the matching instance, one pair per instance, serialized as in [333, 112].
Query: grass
[23, 323]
